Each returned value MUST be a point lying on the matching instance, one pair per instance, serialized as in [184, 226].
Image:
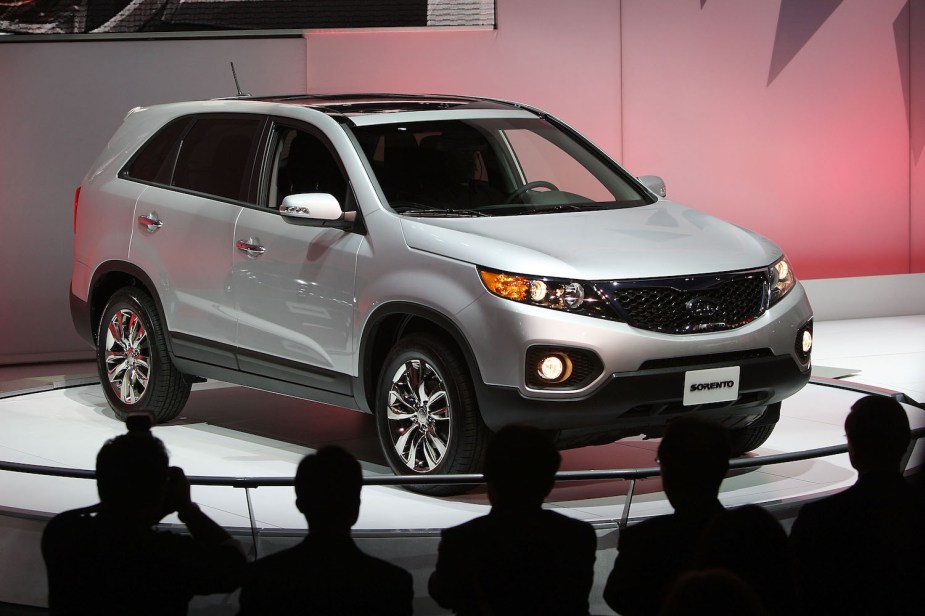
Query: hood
[662, 239]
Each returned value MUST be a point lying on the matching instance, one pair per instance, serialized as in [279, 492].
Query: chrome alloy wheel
[418, 412]
[127, 356]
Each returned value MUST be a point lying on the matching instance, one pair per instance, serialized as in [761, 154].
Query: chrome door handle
[251, 247]
[151, 222]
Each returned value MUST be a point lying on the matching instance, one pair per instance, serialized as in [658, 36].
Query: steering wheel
[530, 186]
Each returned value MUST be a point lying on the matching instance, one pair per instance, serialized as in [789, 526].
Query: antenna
[236, 84]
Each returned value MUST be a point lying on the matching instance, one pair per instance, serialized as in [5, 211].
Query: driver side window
[302, 163]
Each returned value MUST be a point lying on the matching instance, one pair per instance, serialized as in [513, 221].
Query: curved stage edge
[230, 431]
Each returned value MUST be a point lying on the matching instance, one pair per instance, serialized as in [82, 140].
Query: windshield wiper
[565, 207]
[419, 209]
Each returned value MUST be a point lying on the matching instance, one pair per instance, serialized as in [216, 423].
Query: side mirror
[655, 184]
[315, 210]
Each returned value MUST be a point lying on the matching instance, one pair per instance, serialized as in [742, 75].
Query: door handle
[251, 247]
[151, 222]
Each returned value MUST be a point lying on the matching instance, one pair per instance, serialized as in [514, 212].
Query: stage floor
[230, 431]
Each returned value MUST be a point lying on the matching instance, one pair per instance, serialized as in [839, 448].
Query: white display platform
[229, 431]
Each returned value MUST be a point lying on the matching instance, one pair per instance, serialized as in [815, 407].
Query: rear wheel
[132, 359]
[743, 440]
[426, 413]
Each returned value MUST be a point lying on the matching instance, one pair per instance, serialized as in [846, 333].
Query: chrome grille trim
[690, 304]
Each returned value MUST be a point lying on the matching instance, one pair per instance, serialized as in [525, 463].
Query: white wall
[788, 117]
[61, 102]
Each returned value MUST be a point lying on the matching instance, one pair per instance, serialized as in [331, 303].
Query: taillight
[76, 199]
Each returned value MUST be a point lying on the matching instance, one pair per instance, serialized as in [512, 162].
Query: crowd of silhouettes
[859, 551]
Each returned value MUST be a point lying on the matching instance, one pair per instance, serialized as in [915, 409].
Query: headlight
[782, 280]
[567, 295]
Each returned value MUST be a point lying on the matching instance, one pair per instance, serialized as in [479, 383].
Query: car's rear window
[214, 156]
[154, 161]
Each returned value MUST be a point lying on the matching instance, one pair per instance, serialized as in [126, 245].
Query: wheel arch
[390, 323]
[111, 276]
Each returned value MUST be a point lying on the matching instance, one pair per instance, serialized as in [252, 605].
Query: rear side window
[215, 155]
[154, 162]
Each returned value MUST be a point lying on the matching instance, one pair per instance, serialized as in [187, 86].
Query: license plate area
[712, 385]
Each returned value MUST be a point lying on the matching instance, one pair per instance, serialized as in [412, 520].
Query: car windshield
[491, 167]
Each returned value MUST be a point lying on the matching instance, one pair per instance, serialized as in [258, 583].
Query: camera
[138, 422]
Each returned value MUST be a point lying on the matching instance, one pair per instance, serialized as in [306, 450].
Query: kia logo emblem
[701, 307]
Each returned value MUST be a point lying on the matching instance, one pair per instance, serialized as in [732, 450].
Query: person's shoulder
[83, 515]
[655, 524]
[567, 523]
[289, 559]
[73, 523]
[652, 531]
[837, 505]
[384, 568]
[473, 527]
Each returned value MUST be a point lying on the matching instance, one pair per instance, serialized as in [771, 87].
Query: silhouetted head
[327, 488]
[878, 433]
[751, 543]
[520, 467]
[717, 592]
[694, 459]
[131, 476]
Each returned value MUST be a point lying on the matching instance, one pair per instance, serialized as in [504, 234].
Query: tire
[426, 413]
[135, 369]
[744, 440]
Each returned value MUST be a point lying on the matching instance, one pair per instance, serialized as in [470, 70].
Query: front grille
[691, 305]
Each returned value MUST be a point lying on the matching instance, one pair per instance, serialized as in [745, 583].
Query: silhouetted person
[108, 558]
[694, 458]
[326, 574]
[750, 543]
[713, 592]
[519, 558]
[862, 551]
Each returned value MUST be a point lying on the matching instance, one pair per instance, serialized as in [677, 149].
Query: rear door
[184, 229]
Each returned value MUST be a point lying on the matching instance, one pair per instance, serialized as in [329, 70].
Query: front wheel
[132, 359]
[426, 413]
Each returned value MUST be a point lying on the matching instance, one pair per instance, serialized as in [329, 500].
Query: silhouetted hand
[177, 497]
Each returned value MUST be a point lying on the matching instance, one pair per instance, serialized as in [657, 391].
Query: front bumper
[641, 402]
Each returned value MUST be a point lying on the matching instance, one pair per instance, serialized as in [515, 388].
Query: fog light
[806, 343]
[555, 368]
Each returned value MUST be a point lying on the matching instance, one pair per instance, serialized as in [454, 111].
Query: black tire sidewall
[745, 440]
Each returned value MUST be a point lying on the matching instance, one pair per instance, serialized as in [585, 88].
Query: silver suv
[449, 264]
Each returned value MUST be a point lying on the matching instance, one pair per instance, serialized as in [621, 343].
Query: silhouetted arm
[451, 584]
[215, 560]
[628, 583]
